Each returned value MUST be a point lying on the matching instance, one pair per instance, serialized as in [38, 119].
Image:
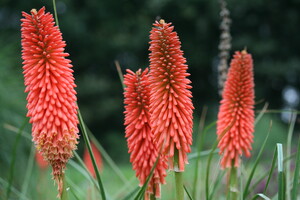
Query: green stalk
[87, 142]
[233, 184]
[55, 12]
[178, 178]
[120, 73]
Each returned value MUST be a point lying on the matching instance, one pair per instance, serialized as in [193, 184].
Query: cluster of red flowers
[235, 123]
[51, 96]
[158, 110]
[142, 148]
[158, 105]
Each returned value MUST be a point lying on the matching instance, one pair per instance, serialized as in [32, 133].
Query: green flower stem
[55, 12]
[178, 178]
[233, 184]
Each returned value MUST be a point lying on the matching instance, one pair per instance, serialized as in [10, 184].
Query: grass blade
[108, 159]
[196, 155]
[187, 192]
[262, 112]
[4, 184]
[143, 188]
[208, 169]
[281, 178]
[87, 142]
[120, 73]
[288, 152]
[28, 171]
[73, 187]
[246, 190]
[14, 155]
[262, 196]
[210, 158]
[199, 140]
[271, 171]
[296, 174]
[82, 169]
[129, 196]
[217, 183]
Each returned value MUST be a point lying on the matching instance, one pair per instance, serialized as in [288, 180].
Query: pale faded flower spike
[143, 151]
[51, 96]
[235, 125]
[171, 106]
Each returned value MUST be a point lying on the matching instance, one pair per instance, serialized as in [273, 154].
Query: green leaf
[187, 192]
[28, 171]
[262, 196]
[87, 142]
[129, 196]
[296, 174]
[108, 159]
[220, 175]
[246, 190]
[288, 152]
[199, 143]
[120, 73]
[261, 113]
[14, 156]
[272, 169]
[210, 158]
[281, 176]
[143, 188]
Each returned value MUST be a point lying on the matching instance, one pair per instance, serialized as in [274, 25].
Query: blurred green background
[98, 32]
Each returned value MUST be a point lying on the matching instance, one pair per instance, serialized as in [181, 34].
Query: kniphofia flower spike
[51, 96]
[235, 125]
[143, 151]
[170, 100]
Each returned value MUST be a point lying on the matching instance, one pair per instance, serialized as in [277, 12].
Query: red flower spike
[88, 161]
[235, 125]
[143, 151]
[170, 99]
[51, 96]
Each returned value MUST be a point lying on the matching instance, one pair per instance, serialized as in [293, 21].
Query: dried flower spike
[143, 151]
[51, 96]
[170, 99]
[235, 125]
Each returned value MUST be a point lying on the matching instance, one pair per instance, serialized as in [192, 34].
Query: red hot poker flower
[88, 161]
[235, 125]
[143, 150]
[50, 85]
[170, 103]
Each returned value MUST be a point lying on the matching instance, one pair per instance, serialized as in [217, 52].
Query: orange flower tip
[244, 52]
[34, 11]
[162, 21]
